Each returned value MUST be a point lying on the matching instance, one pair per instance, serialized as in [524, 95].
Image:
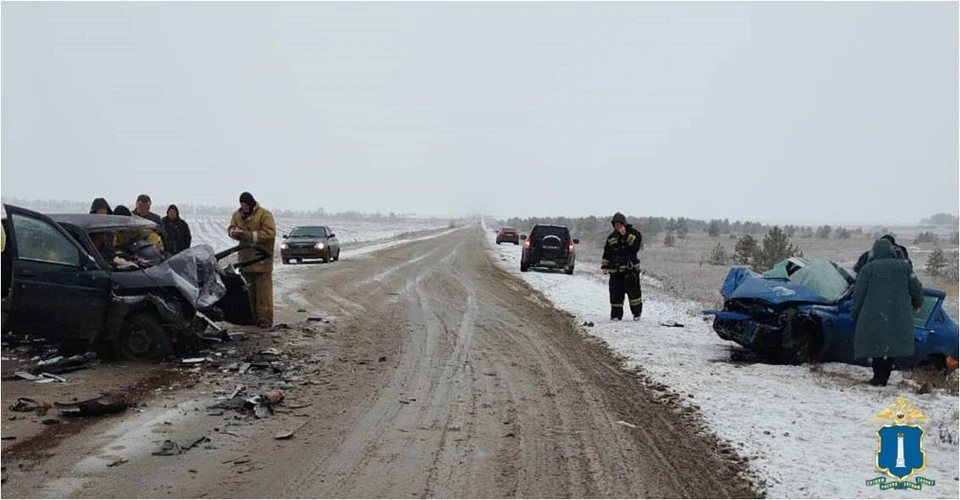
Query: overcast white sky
[763, 111]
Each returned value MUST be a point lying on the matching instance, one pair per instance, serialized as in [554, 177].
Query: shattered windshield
[195, 274]
[818, 275]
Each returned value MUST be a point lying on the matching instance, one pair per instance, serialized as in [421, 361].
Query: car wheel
[569, 270]
[286, 261]
[143, 339]
[326, 256]
[524, 267]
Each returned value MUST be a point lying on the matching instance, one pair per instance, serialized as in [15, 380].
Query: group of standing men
[250, 224]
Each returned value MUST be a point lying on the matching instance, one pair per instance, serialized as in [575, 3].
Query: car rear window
[540, 232]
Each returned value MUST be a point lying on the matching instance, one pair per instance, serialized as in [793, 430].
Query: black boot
[616, 313]
[881, 372]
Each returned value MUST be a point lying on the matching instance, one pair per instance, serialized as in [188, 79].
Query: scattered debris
[234, 460]
[25, 405]
[925, 388]
[289, 434]
[297, 406]
[274, 396]
[236, 336]
[627, 424]
[315, 319]
[117, 462]
[191, 361]
[243, 368]
[60, 364]
[196, 442]
[382, 359]
[588, 323]
[236, 392]
[91, 407]
[671, 323]
[273, 351]
[26, 376]
[167, 448]
[50, 421]
[301, 310]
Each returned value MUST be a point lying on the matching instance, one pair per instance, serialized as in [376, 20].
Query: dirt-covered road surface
[452, 379]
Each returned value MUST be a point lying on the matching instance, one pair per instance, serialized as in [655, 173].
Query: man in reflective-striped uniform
[620, 261]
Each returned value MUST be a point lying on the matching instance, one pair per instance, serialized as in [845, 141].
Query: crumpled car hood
[195, 273]
[742, 283]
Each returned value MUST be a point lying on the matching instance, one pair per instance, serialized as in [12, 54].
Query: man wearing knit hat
[254, 224]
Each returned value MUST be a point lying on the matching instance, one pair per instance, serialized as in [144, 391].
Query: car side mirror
[523, 236]
[332, 235]
[286, 236]
[576, 241]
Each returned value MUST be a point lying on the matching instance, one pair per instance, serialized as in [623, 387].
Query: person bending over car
[885, 292]
[620, 261]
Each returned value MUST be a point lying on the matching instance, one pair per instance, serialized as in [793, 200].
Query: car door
[332, 241]
[59, 291]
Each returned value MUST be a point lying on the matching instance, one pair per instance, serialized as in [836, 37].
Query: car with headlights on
[309, 242]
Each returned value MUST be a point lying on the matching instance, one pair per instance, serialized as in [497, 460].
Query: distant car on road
[799, 311]
[509, 235]
[548, 246]
[310, 242]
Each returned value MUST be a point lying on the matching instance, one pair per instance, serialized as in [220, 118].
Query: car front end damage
[793, 334]
[172, 294]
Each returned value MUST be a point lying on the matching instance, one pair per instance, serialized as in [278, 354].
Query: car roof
[94, 221]
[550, 225]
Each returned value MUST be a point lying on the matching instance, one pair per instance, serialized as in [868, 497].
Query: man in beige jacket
[254, 224]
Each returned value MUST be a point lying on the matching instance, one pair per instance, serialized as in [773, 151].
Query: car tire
[524, 267]
[569, 270]
[337, 258]
[143, 339]
[286, 261]
[326, 256]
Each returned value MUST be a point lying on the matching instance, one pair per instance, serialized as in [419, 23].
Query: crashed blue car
[799, 311]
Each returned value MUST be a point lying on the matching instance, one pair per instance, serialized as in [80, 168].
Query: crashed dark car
[799, 311]
[97, 281]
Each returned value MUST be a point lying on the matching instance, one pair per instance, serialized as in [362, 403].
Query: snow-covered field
[212, 230]
[808, 433]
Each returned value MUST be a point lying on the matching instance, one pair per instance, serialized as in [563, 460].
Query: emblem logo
[900, 453]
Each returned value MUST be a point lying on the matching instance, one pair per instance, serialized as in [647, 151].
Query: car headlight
[318, 246]
[284, 246]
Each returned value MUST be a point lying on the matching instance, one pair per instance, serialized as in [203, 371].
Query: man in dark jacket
[886, 292]
[100, 207]
[620, 261]
[900, 250]
[178, 231]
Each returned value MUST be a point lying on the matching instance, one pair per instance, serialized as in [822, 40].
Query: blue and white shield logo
[900, 454]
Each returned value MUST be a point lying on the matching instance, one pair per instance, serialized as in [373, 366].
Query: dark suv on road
[548, 246]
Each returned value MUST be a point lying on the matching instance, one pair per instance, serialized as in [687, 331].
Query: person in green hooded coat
[884, 294]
